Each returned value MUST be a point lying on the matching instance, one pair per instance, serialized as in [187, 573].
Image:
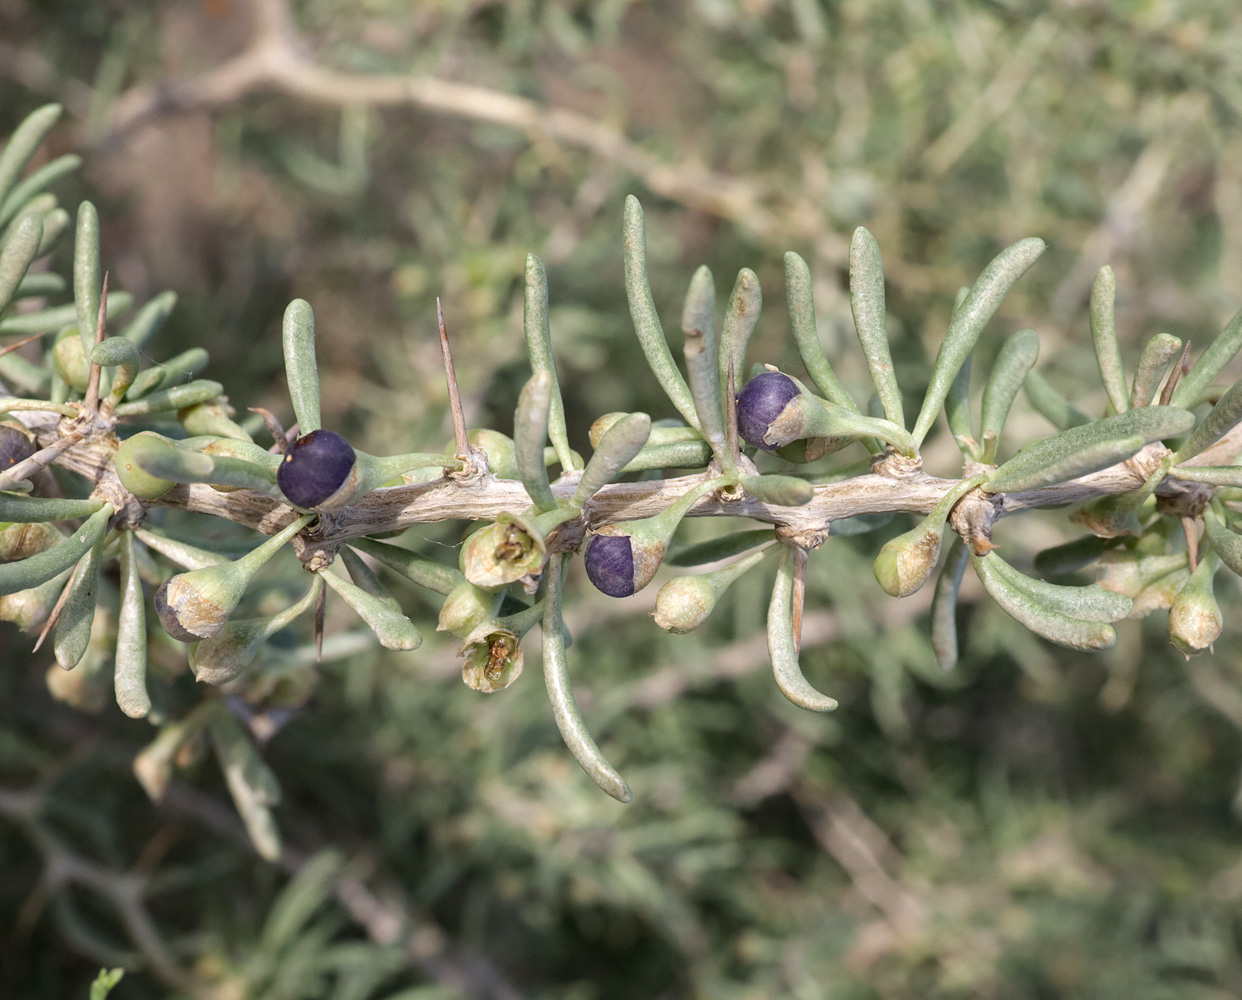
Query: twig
[450, 376]
[1175, 376]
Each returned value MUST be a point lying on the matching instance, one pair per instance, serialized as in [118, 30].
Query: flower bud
[211, 418]
[16, 444]
[905, 562]
[20, 541]
[1195, 618]
[28, 609]
[226, 655]
[621, 559]
[197, 605]
[465, 607]
[683, 604]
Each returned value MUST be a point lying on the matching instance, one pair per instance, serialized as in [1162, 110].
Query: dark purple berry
[610, 564]
[315, 468]
[760, 402]
[14, 447]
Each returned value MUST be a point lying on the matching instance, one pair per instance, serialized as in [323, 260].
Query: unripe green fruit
[69, 359]
[133, 477]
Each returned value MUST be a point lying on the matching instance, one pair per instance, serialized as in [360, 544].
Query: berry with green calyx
[621, 559]
[322, 471]
[775, 410]
[197, 605]
[465, 606]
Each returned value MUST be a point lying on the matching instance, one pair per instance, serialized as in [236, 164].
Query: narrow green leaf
[1160, 350]
[800, 300]
[176, 397]
[702, 354]
[681, 455]
[86, 274]
[251, 782]
[783, 649]
[36, 182]
[944, 604]
[867, 305]
[1220, 420]
[1035, 615]
[27, 510]
[150, 319]
[23, 143]
[1088, 448]
[617, 448]
[181, 553]
[717, 549]
[1104, 338]
[1210, 364]
[530, 430]
[539, 348]
[119, 353]
[57, 318]
[967, 324]
[301, 369]
[218, 470]
[1227, 543]
[40, 285]
[1014, 362]
[1090, 603]
[427, 573]
[55, 222]
[104, 983]
[393, 629]
[957, 412]
[17, 254]
[561, 696]
[130, 677]
[365, 577]
[1210, 475]
[1053, 406]
[187, 363]
[646, 320]
[741, 315]
[1072, 556]
[73, 629]
[37, 569]
[779, 491]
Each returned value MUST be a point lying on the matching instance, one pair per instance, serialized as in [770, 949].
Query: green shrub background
[1037, 823]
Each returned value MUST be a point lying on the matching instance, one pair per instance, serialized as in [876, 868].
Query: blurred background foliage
[1038, 823]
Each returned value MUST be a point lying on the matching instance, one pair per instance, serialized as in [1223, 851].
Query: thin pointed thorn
[799, 595]
[450, 375]
[9, 348]
[280, 440]
[321, 604]
[1175, 376]
[91, 400]
[731, 415]
[1192, 541]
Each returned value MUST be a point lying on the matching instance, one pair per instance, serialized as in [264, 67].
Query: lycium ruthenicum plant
[1143, 476]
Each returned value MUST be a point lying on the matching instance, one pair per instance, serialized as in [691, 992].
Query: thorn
[1175, 376]
[7, 348]
[450, 376]
[731, 415]
[54, 617]
[1192, 541]
[90, 402]
[281, 442]
[321, 604]
[799, 595]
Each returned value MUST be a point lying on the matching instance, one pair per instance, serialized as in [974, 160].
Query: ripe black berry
[610, 564]
[318, 471]
[760, 402]
[15, 446]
